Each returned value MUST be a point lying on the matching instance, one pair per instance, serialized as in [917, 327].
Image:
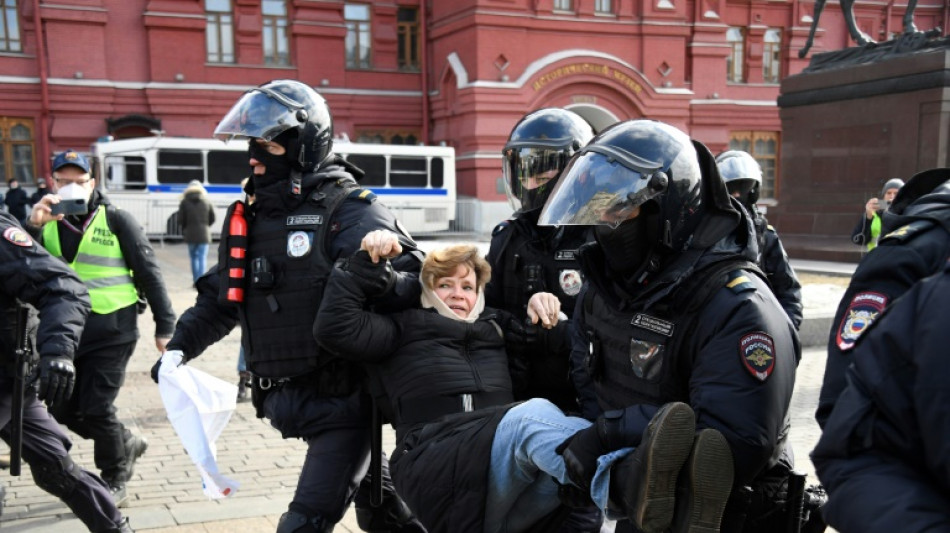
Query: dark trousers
[91, 412]
[45, 443]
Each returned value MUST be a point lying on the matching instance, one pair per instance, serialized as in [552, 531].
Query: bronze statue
[847, 8]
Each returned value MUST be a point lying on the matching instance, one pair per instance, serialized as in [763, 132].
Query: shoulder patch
[909, 231]
[500, 227]
[18, 237]
[738, 281]
[863, 310]
[757, 351]
[364, 195]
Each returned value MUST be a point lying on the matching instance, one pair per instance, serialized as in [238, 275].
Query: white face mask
[74, 191]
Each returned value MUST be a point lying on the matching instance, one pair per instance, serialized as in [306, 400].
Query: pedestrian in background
[41, 191]
[196, 215]
[17, 200]
[109, 251]
[868, 229]
[28, 273]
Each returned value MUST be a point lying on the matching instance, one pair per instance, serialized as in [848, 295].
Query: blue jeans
[523, 461]
[198, 252]
[242, 363]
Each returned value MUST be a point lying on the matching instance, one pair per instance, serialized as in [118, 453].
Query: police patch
[304, 220]
[17, 236]
[654, 324]
[570, 281]
[565, 255]
[864, 309]
[757, 351]
[298, 244]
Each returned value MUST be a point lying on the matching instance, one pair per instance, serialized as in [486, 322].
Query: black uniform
[527, 259]
[915, 244]
[884, 455]
[109, 340]
[310, 394]
[774, 262]
[30, 274]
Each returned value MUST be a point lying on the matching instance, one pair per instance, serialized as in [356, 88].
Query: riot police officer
[308, 212]
[743, 177]
[28, 273]
[915, 244]
[673, 309]
[883, 455]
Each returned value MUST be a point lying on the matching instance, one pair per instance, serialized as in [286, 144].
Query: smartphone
[75, 206]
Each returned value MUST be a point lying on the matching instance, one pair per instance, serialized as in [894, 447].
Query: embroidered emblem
[654, 324]
[571, 281]
[864, 309]
[17, 236]
[757, 351]
[304, 220]
[565, 255]
[298, 244]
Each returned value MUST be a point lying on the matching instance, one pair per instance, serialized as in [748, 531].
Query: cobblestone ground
[165, 492]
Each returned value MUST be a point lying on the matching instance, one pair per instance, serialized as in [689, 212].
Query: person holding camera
[107, 248]
[868, 230]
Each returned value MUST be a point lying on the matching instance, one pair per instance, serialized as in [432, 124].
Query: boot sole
[669, 449]
[136, 452]
[710, 470]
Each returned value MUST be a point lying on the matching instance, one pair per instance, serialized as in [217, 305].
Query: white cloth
[199, 407]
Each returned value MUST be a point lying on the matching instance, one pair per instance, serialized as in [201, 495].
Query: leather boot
[706, 483]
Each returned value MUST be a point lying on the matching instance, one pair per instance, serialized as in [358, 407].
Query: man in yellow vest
[868, 230]
[110, 253]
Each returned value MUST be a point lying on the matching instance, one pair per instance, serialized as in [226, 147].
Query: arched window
[772, 56]
[734, 63]
[17, 150]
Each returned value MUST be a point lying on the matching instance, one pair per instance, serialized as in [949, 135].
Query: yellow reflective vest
[99, 264]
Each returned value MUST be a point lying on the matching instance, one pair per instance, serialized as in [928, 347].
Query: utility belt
[336, 379]
[784, 507]
[410, 411]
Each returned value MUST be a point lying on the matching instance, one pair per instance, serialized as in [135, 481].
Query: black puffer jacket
[426, 362]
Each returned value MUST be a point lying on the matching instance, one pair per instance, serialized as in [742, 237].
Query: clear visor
[596, 190]
[739, 168]
[259, 115]
[527, 173]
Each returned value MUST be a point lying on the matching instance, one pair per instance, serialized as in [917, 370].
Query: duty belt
[428, 408]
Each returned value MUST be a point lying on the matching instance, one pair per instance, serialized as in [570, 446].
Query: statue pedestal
[850, 121]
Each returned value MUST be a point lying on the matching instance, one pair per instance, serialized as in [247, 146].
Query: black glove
[375, 279]
[155, 368]
[581, 450]
[57, 378]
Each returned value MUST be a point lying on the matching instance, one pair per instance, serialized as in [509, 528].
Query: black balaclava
[628, 246]
[272, 188]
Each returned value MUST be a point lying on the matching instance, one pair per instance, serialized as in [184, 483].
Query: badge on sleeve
[17, 236]
[864, 309]
[757, 351]
[298, 244]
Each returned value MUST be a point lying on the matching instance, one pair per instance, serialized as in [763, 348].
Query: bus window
[125, 173]
[437, 173]
[373, 165]
[179, 166]
[227, 166]
[407, 172]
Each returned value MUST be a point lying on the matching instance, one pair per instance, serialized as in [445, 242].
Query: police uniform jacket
[428, 365]
[732, 358]
[774, 262]
[526, 259]
[915, 244]
[121, 326]
[30, 274]
[884, 455]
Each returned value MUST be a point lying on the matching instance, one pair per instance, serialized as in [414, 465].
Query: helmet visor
[597, 189]
[529, 174]
[739, 168]
[259, 114]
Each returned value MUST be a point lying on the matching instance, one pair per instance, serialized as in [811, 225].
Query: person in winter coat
[17, 201]
[466, 458]
[196, 215]
[868, 230]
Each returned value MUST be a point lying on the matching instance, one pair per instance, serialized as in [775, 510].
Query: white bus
[146, 176]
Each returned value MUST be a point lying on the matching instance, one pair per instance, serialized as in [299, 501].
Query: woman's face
[458, 291]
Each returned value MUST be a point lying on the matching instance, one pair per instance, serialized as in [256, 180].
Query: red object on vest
[237, 227]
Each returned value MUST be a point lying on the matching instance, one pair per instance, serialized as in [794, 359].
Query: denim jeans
[523, 461]
[198, 252]
[242, 363]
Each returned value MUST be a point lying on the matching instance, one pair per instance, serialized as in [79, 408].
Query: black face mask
[626, 247]
[277, 167]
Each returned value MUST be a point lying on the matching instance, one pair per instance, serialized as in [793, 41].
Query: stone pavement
[165, 492]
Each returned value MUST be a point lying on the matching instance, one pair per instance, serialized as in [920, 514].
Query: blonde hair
[442, 263]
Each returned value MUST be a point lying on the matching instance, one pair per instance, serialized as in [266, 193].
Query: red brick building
[459, 72]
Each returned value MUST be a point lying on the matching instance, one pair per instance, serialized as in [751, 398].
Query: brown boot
[644, 483]
[706, 484]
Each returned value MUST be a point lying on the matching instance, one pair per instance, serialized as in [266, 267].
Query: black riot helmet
[538, 149]
[632, 166]
[742, 175]
[283, 106]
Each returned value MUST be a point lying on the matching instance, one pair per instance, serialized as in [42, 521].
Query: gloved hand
[57, 379]
[158, 364]
[374, 278]
[580, 452]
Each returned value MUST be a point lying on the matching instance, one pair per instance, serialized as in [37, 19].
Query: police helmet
[538, 149]
[627, 165]
[742, 175]
[281, 106]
